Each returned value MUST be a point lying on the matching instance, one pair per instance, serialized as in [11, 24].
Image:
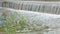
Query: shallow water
[35, 19]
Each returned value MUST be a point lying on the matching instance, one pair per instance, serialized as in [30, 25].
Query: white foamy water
[51, 20]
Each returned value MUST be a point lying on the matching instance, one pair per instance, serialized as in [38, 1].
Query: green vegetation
[12, 24]
[15, 23]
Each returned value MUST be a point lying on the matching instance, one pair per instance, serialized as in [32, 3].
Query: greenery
[14, 22]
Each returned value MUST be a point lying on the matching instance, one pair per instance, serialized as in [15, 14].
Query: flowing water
[36, 19]
[53, 8]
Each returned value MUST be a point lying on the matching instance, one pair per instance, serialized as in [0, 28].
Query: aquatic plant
[15, 23]
[12, 24]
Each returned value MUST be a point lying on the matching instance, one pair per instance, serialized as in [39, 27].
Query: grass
[15, 23]
[12, 25]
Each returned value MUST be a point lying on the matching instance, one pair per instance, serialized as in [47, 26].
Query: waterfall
[52, 8]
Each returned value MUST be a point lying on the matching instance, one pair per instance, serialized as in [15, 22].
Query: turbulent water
[46, 7]
[35, 19]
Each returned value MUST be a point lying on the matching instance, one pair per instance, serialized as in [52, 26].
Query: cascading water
[31, 6]
[51, 20]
